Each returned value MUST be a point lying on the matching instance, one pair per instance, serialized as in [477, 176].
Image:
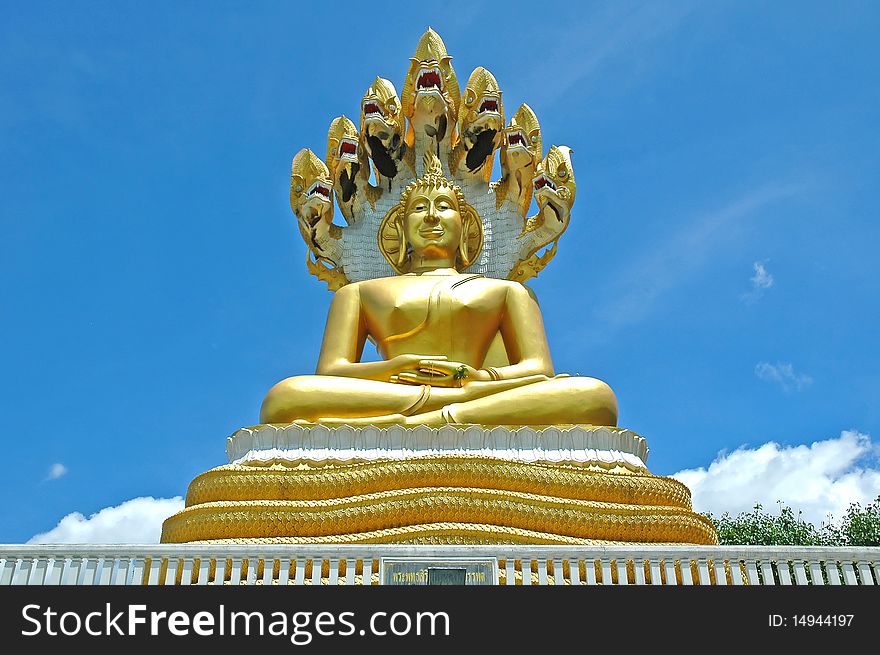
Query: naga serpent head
[345, 160]
[382, 126]
[342, 144]
[554, 183]
[481, 119]
[311, 196]
[522, 139]
[430, 93]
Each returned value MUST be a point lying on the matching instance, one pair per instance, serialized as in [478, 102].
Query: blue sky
[720, 271]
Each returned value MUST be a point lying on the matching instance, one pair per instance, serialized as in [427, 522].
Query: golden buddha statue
[433, 327]
[462, 432]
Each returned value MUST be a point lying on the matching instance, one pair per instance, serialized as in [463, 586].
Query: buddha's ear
[463, 248]
[401, 241]
[392, 239]
[471, 236]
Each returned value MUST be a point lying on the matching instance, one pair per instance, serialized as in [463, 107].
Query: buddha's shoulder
[375, 284]
[384, 284]
[496, 284]
[379, 285]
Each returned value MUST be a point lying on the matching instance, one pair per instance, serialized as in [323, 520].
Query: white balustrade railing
[184, 564]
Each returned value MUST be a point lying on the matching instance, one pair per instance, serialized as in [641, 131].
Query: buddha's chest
[432, 307]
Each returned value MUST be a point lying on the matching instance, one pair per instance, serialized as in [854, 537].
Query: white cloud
[56, 471]
[136, 521]
[783, 374]
[819, 479]
[761, 281]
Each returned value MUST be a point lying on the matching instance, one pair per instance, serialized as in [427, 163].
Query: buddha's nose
[431, 217]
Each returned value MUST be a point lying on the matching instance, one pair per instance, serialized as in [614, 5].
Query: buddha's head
[432, 222]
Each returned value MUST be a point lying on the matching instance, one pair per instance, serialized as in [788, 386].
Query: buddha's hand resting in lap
[436, 371]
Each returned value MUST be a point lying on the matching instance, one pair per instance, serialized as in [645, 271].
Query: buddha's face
[432, 223]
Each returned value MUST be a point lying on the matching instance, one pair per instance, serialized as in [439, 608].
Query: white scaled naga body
[464, 130]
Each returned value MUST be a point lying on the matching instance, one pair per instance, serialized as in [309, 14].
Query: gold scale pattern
[442, 514]
[441, 533]
[303, 480]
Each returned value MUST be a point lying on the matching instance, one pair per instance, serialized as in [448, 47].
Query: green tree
[860, 526]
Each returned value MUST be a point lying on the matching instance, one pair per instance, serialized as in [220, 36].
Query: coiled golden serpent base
[444, 499]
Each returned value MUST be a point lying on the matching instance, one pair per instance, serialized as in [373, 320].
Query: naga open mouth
[542, 181]
[488, 105]
[428, 79]
[372, 110]
[347, 150]
[517, 139]
[319, 190]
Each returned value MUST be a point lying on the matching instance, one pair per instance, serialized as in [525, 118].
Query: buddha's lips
[488, 104]
[516, 139]
[430, 79]
[542, 181]
[432, 233]
[347, 149]
[319, 189]
[372, 109]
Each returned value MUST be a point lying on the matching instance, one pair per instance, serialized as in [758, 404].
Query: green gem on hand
[460, 373]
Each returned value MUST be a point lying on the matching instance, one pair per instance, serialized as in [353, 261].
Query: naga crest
[432, 134]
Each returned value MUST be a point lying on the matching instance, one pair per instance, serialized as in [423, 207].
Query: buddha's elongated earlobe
[463, 242]
[401, 237]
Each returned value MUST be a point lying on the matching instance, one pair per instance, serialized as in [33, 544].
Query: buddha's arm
[522, 329]
[343, 344]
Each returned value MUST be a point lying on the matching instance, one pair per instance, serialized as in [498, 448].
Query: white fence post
[38, 571]
[865, 574]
